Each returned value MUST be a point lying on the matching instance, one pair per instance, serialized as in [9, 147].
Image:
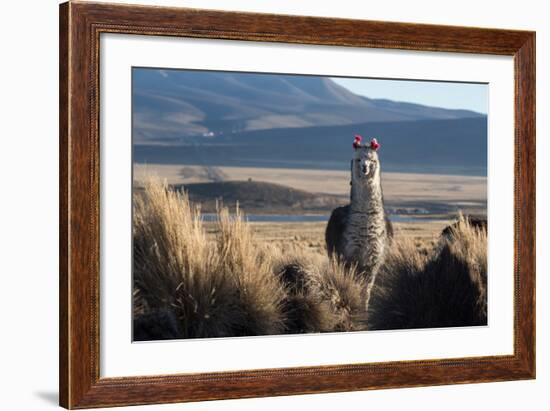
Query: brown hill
[254, 196]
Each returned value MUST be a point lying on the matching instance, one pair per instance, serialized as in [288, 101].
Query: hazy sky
[430, 93]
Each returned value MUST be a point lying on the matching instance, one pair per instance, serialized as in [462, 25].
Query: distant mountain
[171, 105]
[456, 146]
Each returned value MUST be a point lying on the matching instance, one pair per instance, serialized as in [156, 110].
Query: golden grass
[346, 290]
[322, 294]
[215, 289]
[468, 245]
[446, 288]
[227, 283]
[305, 309]
[250, 267]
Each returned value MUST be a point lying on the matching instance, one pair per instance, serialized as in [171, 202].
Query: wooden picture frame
[80, 27]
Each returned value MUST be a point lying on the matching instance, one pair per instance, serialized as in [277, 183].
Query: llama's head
[365, 164]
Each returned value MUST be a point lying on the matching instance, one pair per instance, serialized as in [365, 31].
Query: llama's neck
[366, 229]
[366, 196]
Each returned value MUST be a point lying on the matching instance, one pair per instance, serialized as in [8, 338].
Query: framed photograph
[258, 205]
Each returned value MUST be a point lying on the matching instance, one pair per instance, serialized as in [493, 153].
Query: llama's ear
[357, 141]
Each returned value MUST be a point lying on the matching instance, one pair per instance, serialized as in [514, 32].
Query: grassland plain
[438, 196]
[311, 235]
[397, 186]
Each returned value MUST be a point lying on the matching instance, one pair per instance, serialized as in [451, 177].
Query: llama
[358, 233]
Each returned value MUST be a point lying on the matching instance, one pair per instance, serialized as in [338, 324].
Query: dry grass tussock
[214, 289]
[190, 285]
[322, 295]
[446, 288]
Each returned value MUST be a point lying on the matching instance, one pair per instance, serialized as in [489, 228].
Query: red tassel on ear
[357, 141]
[374, 144]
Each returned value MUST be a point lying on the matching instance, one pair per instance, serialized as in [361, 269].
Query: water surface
[310, 218]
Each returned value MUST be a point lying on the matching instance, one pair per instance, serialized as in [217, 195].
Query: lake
[311, 218]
